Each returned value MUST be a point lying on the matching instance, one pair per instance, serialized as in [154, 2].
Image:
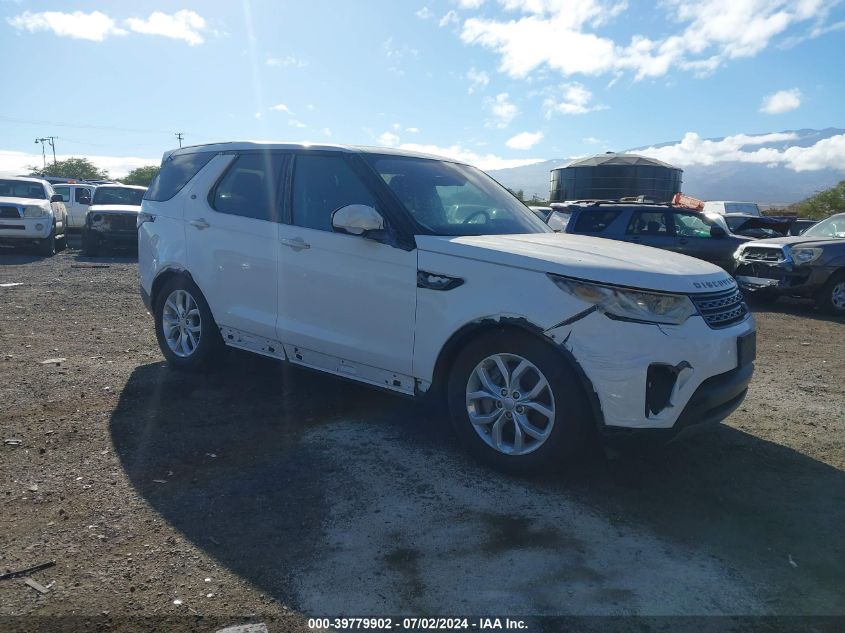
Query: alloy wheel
[182, 323]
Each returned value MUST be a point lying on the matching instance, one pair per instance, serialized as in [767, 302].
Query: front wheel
[185, 329]
[516, 403]
[832, 297]
[47, 246]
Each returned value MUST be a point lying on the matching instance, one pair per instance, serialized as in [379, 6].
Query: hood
[30, 202]
[589, 258]
[794, 240]
[114, 208]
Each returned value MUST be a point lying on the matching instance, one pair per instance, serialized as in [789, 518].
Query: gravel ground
[260, 493]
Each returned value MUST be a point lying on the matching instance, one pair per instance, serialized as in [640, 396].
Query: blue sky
[495, 82]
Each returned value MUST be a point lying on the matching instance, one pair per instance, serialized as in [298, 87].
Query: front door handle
[296, 243]
[200, 223]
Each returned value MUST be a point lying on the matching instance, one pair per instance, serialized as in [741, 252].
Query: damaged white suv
[424, 276]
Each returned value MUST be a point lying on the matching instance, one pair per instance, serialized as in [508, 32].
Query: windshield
[834, 226]
[118, 195]
[451, 199]
[22, 189]
[742, 207]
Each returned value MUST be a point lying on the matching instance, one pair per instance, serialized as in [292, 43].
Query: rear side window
[595, 221]
[321, 185]
[64, 192]
[250, 187]
[175, 174]
[648, 223]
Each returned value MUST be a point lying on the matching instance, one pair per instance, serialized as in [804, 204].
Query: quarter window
[175, 173]
[595, 221]
[250, 187]
[648, 223]
[64, 192]
[322, 184]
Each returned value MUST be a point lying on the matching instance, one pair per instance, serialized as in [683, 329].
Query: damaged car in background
[423, 276]
[112, 218]
[808, 265]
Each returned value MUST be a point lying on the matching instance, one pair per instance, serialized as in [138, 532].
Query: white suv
[422, 275]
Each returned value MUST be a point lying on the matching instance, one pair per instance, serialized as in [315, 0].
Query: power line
[52, 141]
[82, 126]
[180, 136]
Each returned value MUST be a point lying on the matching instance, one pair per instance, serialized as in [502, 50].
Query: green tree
[73, 167]
[824, 203]
[141, 176]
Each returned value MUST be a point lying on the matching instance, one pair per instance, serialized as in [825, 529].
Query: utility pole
[52, 141]
[180, 136]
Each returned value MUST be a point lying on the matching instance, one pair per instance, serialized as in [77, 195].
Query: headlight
[738, 252]
[635, 305]
[34, 212]
[803, 255]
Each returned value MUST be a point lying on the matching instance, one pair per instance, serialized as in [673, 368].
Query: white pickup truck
[32, 213]
[424, 276]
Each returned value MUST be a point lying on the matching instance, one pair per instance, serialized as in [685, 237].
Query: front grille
[762, 254]
[10, 213]
[721, 309]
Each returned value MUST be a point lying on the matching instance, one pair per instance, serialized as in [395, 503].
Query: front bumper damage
[660, 380]
[780, 278]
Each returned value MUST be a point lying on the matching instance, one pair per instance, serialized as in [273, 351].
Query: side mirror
[357, 219]
[56, 198]
[84, 200]
[717, 231]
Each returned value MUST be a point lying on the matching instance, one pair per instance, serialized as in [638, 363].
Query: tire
[62, 242]
[831, 299]
[47, 246]
[563, 433]
[90, 244]
[188, 348]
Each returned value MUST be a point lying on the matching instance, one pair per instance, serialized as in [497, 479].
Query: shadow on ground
[249, 490]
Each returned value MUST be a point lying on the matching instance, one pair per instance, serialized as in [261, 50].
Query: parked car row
[31, 212]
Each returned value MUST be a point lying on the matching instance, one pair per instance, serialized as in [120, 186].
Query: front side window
[81, 193]
[322, 184]
[175, 173]
[22, 189]
[648, 223]
[595, 220]
[250, 187]
[447, 198]
[64, 192]
[692, 225]
[118, 195]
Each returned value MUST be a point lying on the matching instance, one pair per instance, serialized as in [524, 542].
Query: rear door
[231, 235]
[651, 227]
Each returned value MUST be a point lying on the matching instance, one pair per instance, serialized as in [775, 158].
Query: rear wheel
[832, 297]
[185, 329]
[516, 404]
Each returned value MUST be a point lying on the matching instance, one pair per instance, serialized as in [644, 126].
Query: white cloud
[257, 115]
[563, 35]
[290, 60]
[184, 25]
[503, 111]
[450, 17]
[327, 131]
[477, 79]
[424, 14]
[94, 26]
[781, 101]
[470, 4]
[459, 153]
[574, 99]
[524, 140]
[592, 140]
[296, 123]
[388, 139]
[281, 107]
[16, 163]
[412, 130]
[693, 150]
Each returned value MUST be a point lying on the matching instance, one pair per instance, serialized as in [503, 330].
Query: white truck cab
[423, 276]
[77, 197]
[723, 207]
[31, 212]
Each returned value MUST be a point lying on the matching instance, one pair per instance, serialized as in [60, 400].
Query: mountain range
[772, 183]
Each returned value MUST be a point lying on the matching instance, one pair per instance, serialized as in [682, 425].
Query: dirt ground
[260, 493]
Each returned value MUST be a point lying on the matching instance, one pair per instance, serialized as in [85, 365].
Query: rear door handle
[296, 243]
[200, 223]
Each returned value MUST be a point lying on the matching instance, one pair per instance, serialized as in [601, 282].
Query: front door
[231, 226]
[342, 296]
[692, 232]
